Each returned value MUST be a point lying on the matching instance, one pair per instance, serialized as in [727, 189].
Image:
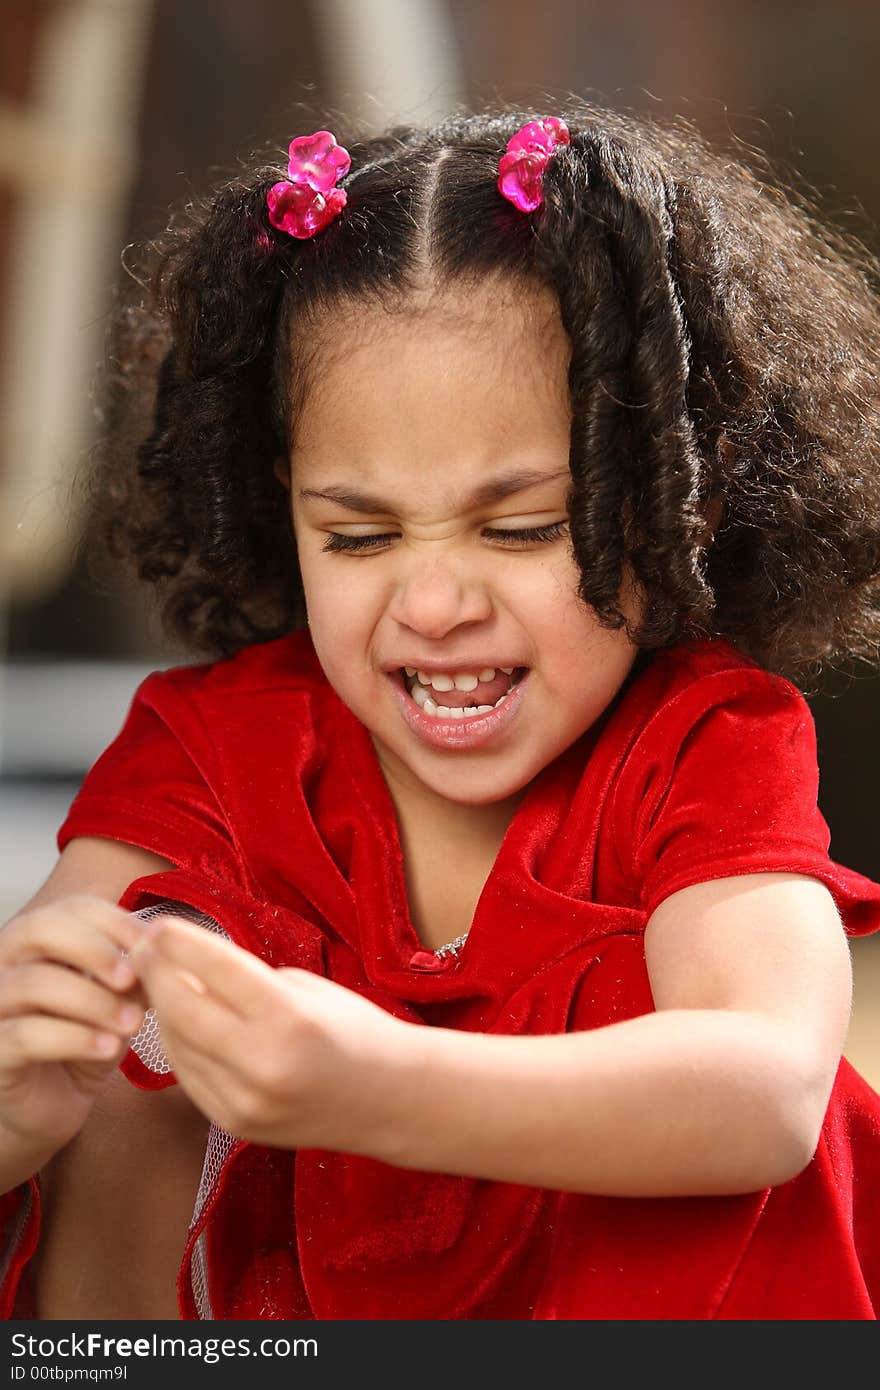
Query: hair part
[725, 417]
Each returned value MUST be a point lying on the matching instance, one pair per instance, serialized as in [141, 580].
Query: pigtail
[204, 477]
[221, 288]
[635, 455]
[795, 566]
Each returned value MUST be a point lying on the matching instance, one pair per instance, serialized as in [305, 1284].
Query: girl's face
[407, 420]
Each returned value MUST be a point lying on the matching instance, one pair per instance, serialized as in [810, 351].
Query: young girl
[511, 473]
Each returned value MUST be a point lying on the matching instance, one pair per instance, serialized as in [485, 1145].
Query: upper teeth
[458, 680]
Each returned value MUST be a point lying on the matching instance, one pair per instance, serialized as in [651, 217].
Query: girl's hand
[277, 1056]
[69, 1003]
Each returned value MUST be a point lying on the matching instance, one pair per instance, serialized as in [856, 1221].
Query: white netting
[147, 1044]
[219, 1144]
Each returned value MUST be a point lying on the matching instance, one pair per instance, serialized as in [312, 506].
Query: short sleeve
[151, 788]
[724, 780]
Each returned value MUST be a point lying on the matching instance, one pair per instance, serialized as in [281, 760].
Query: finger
[189, 1013]
[89, 934]
[136, 995]
[205, 1083]
[37, 1038]
[233, 976]
[124, 928]
[39, 987]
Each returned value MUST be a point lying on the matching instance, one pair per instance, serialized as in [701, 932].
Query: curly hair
[724, 362]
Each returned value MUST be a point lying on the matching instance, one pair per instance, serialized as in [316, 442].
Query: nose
[434, 598]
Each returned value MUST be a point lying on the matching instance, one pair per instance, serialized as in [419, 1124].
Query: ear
[281, 469]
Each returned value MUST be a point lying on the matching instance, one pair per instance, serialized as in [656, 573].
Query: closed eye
[529, 535]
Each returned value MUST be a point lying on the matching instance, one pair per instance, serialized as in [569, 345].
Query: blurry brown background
[112, 110]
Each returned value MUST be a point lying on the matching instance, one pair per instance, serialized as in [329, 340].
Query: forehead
[511, 313]
[462, 374]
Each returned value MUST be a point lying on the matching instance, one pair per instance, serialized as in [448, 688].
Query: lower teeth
[453, 712]
[430, 707]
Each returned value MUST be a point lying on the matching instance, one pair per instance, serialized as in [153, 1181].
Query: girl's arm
[722, 1090]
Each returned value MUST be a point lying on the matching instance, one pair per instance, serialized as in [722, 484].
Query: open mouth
[462, 704]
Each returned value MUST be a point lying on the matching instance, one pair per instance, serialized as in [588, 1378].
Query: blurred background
[113, 110]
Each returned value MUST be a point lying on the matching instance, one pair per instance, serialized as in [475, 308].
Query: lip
[471, 732]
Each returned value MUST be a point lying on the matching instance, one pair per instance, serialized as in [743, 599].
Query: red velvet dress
[258, 783]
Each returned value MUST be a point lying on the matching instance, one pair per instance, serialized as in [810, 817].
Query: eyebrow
[495, 490]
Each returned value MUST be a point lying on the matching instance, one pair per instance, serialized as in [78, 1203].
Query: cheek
[538, 584]
[336, 613]
[555, 591]
[327, 580]
[341, 614]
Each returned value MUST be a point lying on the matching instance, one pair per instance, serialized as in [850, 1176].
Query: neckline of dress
[368, 782]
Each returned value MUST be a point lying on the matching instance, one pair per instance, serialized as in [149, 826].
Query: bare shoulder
[92, 864]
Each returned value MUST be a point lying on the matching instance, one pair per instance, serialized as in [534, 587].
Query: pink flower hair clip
[529, 151]
[309, 201]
